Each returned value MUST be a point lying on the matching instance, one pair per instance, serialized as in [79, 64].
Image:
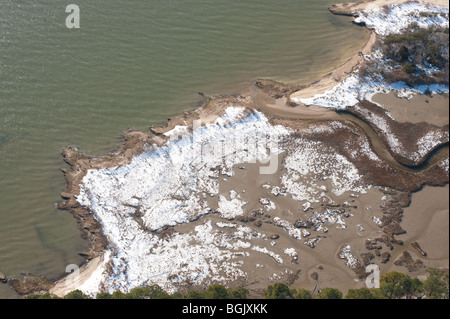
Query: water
[131, 64]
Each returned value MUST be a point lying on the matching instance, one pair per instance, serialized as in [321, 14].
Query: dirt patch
[432, 109]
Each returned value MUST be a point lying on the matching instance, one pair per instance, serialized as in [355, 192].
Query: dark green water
[130, 65]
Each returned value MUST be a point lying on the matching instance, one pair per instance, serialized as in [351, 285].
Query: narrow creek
[279, 108]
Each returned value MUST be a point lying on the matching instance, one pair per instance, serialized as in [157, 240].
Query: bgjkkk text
[241, 309]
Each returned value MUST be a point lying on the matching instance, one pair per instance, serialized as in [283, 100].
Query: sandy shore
[436, 111]
[338, 75]
[343, 71]
[427, 221]
[77, 278]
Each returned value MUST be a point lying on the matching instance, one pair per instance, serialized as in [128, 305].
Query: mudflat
[432, 109]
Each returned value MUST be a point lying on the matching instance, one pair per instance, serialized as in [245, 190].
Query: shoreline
[136, 142]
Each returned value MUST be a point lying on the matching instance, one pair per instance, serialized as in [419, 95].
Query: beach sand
[338, 75]
[427, 222]
[77, 278]
[421, 108]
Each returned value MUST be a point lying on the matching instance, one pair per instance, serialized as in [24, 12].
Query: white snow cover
[397, 17]
[349, 92]
[287, 226]
[308, 162]
[444, 165]
[165, 182]
[230, 208]
[347, 254]
[167, 185]
[272, 254]
[290, 252]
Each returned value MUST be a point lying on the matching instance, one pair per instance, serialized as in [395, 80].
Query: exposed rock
[245, 219]
[312, 242]
[377, 252]
[30, 284]
[3, 278]
[385, 256]
[257, 223]
[299, 223]
[88, 254]
[372, 244]
[408, 262]
[367, 257]
[66, 195]
[274, 236]
[344, 9]
[416, 246]
[292, 277]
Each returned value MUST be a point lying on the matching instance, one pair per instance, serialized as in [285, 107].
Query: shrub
[409, 68]
[278, 291]
[119, 295]
[195, 294]
[436, 286]
[43, 296]
[391, 285]
[362, 293]
[147, 292]
[239, 293]
[303, 294]
[407, 54]
[329, 293]
[217, 292]
[104, 295]
[412, 287]
[76, 294]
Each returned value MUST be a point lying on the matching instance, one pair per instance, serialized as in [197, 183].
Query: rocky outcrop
[343, 9]
[406, 260]
[416, 246]
[3, 278]
[30, 284]
[299, 223]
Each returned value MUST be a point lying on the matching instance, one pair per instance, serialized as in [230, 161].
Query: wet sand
[427, 222]
[421, 108]
[339, 74]
[76, 278]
